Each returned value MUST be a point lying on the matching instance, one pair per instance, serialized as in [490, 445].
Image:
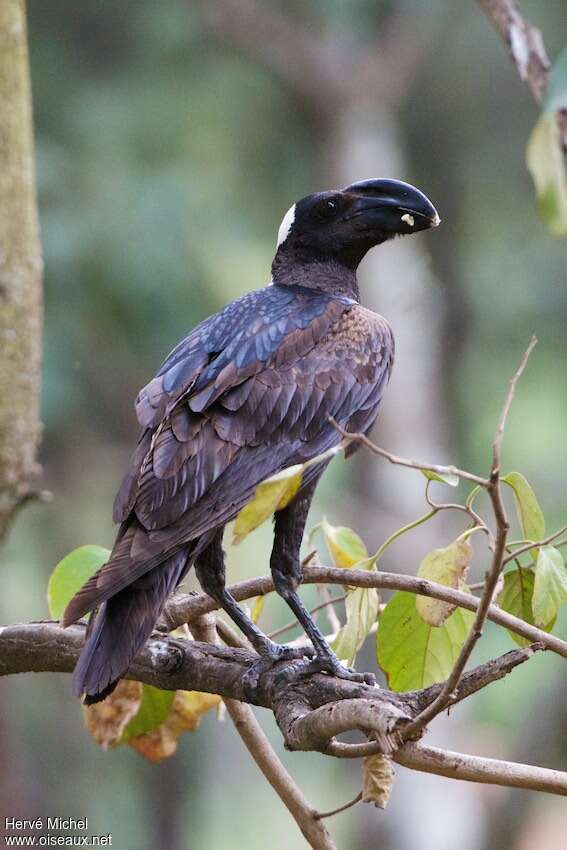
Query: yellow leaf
[446, 566]
[257, 608]
[107, 720]
[345, 546]
[186, 712]
[545, 161]
[271, 495]
[377, 780]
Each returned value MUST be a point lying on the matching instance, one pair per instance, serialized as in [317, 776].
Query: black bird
[248, 393]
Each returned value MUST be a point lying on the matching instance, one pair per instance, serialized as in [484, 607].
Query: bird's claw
[274, 652]
[322, 664]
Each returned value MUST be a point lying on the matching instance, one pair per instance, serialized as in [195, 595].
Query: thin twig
[340, 809]
[536, 544]
[331, 614]
[403, 461]
[293, 623]
[497, 444]
[493, 574]
[455, 506]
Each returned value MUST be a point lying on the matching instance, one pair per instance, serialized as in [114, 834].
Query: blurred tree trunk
[20, 271]
[396, 281]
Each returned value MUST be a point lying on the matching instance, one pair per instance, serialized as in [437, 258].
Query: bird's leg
[287, 574]
[210, 570]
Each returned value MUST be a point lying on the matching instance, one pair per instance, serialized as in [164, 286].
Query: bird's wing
[272, 324]
[235, 425]
[235, 343]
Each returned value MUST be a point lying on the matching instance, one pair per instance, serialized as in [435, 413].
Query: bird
[252, 390]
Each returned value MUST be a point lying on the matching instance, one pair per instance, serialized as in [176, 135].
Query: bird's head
[341, 226]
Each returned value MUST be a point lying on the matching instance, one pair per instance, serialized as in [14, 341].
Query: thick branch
[20, 271]
[310, 711]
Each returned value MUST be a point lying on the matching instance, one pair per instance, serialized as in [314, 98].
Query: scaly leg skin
[287, 575]
[210, 570]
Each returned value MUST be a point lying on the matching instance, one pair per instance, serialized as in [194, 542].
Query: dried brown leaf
[186, 711]
[377, 780]
[107, 720]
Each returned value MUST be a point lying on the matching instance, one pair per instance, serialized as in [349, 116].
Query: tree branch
[257, 744]
[310, 710]
[526, 48]
[185, 607]
[477, 769]
[306, 817]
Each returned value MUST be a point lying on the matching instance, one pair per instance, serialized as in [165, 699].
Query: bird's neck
[324, 275]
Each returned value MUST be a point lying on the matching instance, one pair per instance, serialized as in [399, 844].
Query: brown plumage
[248, 393]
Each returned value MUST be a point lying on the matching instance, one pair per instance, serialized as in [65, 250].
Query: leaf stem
[389, 540]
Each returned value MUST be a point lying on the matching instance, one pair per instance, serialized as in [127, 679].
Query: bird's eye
[328, 208]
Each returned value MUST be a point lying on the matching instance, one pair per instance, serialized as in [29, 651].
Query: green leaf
[529, 512]
[550, 585]
[345, 546]
[446, 478]
[544, 154]
[412, 653]
[153, 711]
[71, 573]
[271, 495]
[516, 598]
[361, 607]
[446, 566]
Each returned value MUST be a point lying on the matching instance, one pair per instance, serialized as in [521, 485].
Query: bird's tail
[123, 624]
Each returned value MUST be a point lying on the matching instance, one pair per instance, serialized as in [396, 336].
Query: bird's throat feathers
[327, 276]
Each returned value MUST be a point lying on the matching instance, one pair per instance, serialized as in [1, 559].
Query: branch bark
[526, 48]
[478, 769]
[208, 628]
[20, 272]
[306, 817]
[310, 711]
[185, 607]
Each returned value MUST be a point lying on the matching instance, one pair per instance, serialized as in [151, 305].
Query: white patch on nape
[286, 225]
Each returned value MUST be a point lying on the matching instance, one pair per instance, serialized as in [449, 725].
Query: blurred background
[171, 138]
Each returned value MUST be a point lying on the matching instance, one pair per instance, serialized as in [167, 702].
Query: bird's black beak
[390, 206]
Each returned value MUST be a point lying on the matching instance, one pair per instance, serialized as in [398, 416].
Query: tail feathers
[133, 555]
[123, 624]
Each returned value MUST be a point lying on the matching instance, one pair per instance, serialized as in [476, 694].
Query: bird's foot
[322, 663]
[270, 654]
